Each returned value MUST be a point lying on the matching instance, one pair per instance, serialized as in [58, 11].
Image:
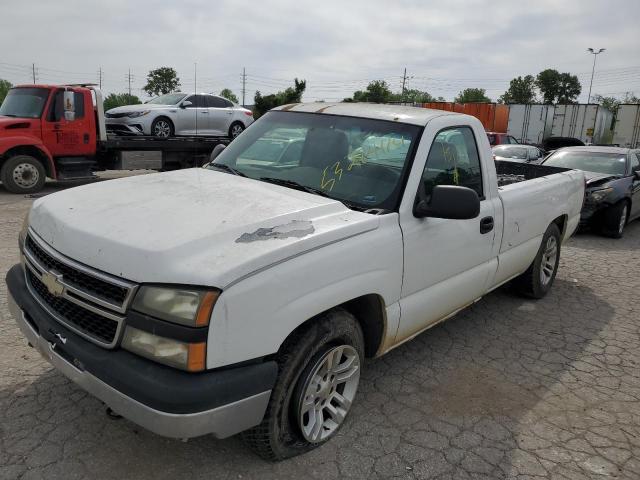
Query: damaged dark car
[612, 194]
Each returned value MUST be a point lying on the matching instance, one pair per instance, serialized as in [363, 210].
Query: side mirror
[449, 201]
[217, 150]
[637, 174]
[186, 104]
[68, 98]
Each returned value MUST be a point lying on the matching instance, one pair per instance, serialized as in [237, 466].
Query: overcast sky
[337, 46]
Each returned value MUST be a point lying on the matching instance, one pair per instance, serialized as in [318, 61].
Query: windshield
[599, 162]
[511, 152]
[24, 102]
[168, 99]
[358, 161]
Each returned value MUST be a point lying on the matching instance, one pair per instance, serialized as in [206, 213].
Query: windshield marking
[293, 229]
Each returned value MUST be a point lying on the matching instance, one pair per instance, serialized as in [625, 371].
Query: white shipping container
[534, 123]
[626, 133]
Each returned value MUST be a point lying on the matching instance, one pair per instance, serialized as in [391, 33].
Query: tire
[23, 174]
[235, 129]
[615, 219]
[303, 387]
[538, 279]
[162, 127]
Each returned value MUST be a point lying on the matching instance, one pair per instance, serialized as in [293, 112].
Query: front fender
[17, 141]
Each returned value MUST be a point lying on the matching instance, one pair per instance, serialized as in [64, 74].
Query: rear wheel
[319, 372]
[162, 128]
[615, 219]
[23, 174]
[538, 279]
[235, 129]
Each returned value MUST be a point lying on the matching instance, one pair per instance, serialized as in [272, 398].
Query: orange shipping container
[494, 116]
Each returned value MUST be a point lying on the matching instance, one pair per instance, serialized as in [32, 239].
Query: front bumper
[163, 400]
[131, 126]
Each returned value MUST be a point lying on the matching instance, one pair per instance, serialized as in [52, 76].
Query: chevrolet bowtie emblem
[51, 280]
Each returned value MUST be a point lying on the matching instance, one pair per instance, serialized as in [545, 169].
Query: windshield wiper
[295, 186]
[8, 115]
[227, 168]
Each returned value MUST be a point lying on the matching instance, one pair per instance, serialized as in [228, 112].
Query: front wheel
[538, 279]
[319, 372]
[615, 219]
[162, 128]
[23, 174]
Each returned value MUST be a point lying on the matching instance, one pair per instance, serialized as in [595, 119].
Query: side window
[196, 101]
[635, 162]
[512, 140]
[453, 160]
[56, 110]
[78, 100]
[216, 102]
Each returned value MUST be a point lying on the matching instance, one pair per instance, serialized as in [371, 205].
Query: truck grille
[106, 291]
[89, 302]
[92, 324]
[116, 115]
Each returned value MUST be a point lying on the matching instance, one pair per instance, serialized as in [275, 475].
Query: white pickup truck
[244, 296]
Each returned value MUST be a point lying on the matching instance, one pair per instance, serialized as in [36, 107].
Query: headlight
[185, 356]
[137, 114]
[188, 307]
[599, 195]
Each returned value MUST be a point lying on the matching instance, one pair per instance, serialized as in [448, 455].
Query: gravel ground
[509, 388]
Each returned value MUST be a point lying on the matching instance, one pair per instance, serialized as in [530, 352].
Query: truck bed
[514, 172]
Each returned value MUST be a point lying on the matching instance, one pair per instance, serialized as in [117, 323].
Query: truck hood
[195, 226]
[594, 178]
[14, 122]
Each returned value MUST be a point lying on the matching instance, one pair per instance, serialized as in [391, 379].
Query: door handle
[486, 224]
[204, 112]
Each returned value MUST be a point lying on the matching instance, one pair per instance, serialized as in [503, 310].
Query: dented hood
[196, 226]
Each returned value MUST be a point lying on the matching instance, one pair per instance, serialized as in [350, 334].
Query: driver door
[192, 119]
[72, 138]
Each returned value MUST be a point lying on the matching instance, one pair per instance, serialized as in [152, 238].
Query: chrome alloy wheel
[25, 175]
[623, 220]
[549, 258]
[162, 129]
[328, 393]
[236, 130]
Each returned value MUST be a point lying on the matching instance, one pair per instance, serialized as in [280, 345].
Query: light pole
[593, 70]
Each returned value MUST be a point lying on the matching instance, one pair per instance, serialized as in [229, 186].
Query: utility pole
[33, 70]
[404, 80]
[244, 84]
[129, 78]
[100, 77]
[593, 70]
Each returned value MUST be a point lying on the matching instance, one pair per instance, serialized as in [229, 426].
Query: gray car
[179, 113]
[518, 153]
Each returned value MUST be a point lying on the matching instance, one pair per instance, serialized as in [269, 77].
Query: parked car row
[177, 114]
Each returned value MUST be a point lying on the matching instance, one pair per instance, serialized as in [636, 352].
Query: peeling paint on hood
[295, 228]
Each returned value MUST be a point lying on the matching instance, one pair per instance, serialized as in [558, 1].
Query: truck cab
[48, 131]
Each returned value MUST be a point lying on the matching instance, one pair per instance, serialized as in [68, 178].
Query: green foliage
[472, 95]
[5, 85]
[229, 95]
[415, 96]
[377, 92]
[629, 97]
[610, 103]
[521, 90]
[558, 87]
[263, 104]
[162, 80]
[114, 100]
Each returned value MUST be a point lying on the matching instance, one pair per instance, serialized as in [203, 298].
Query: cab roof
[394, 113]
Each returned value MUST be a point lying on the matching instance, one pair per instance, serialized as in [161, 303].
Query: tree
[558, 87]
[5, 85]
[414, 96]
[263, 104]
[377, 92]
[610, 103]
[162, 80]
[114, 100]
[521, 90]
[229, 95]
[629, 97]
[472, 95]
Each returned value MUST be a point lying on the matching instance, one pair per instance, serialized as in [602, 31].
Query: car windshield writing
[359, 161]
[598, 162]
[24, 102]
[511, 152]
[168, 99]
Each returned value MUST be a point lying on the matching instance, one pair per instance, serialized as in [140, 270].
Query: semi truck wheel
[319, 372]
[539, 277]
[23, 174]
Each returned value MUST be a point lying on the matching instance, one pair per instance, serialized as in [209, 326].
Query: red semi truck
[58, 131]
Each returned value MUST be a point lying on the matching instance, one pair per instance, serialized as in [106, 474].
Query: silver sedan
[180, 114]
